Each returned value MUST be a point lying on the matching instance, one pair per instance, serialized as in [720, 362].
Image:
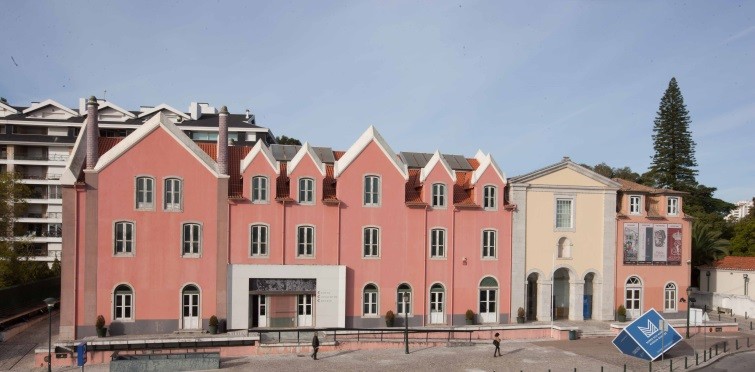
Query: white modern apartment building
[36, 140]
[742, 209]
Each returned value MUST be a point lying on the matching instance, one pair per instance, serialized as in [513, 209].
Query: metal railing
[49, 157]
[47, 176]
[298, 335]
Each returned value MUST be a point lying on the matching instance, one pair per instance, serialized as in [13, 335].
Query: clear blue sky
[528, 81]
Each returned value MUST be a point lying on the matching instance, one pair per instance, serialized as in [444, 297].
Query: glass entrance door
[304, 310]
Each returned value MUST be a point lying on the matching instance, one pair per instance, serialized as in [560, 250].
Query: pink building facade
[654, 250]
[169, 232]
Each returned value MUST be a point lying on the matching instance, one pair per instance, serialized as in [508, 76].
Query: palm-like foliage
[707, 245]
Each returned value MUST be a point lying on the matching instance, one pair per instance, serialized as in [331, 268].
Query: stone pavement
[17, 354]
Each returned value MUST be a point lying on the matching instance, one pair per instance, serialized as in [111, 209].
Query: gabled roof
[75, 163]
[565, 163]
[486, 161]
[158, 121]
[435, 160]
[732, 263]
[260, 148]
[8, 108]
[629, 186]
[305, 150]
[107, 104]
[164, 106]
[370, 135]
[49, 102]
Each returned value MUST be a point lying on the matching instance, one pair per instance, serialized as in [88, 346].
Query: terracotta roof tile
[329, 185]
[107, 143]
[636, 187]
[463, 193]
[338, 154]
[413, 189]
[235, 155]
[734, 263]
[282, 186]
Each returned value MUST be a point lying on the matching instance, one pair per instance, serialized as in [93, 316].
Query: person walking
[497, 343]
[315, 346]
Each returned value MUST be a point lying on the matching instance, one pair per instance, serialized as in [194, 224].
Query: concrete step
[596, 334]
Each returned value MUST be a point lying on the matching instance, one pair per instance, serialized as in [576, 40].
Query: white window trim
[495, 244]
[133, 239]
[571, 246]
[573, 199]
[495, 197]
[444, 189]
[380, 240]
[266, 199]
[430, 243]
[314, 243]
[150, 207]
[180, 194]
[133, 304]
[377, 301]
[201, 239]
[639, 205]
[497, 297]
[379, 190]
[676, 298]
[181, 303]
[410, 314]
[676, 206]
[267, 253]
[298, 191]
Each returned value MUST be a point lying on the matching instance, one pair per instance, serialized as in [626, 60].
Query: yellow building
[563, 243]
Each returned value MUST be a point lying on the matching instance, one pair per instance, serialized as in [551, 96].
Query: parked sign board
[648, 337]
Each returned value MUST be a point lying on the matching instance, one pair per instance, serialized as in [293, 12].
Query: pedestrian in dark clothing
[497, 343]
[315, 346]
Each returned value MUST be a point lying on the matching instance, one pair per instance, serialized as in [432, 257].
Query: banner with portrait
[631, 241]
[660, 245]
[674, 243]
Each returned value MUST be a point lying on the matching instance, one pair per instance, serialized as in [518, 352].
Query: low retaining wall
[166, 362]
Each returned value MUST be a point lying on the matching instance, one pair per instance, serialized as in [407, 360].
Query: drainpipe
[453, 262]
[424, 273]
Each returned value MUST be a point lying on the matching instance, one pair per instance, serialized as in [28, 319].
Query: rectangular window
[371, 242]
[258, 240]
[124, 238]
[191, 238]
[305, 241]
[488, 198]
[437, 243]
[54, 192]
[439, 195]
[564, 214]
[371, 190]
[306, 191]
[144, 192]
[172, 194]
[488, 244]
[672, 208]
[259, 189]
[634, 204]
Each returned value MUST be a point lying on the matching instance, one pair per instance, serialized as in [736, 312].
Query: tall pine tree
[674, 163]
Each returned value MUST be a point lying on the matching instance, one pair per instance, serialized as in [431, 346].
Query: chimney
[93, 132]
[222, 153]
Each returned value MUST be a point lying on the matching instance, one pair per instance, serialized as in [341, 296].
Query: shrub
[622, 311]
[213, 321]
[100, 323]
[520, 312]
[470, 314]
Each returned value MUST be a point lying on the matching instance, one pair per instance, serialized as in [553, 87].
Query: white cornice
[49, 102]
[260, 148]
[436, 159]
[370, 135]
[486, 161]
[304, 151]
[164, 106]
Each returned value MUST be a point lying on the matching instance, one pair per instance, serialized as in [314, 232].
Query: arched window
[437, 303]
[370, 300]
[404, 299]
[669, 298]
[633, 296]
[190, 307]
[488, 300]
[123, 302]
[564, 248]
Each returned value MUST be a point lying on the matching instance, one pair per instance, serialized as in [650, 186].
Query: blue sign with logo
[648, 337]
[81, 354]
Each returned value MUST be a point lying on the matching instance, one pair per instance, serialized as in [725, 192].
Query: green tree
[743, 242]
[673, 165]
[284, 140]
[707, 245]
[606, 170]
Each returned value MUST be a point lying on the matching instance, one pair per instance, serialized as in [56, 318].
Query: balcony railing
[44, 234]
[48, 176]
[44, 215]
[50, 157]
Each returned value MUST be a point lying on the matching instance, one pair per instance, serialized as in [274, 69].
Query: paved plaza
[590, 354]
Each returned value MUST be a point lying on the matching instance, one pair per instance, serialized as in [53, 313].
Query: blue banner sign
[81, 354]
[648, 337]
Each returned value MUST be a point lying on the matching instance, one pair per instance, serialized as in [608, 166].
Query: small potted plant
[100, 325]
[520, 315]
[390, 318]
[621, 314]
[469, 316]
[213, 325]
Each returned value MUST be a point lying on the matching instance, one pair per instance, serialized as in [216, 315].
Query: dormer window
[259, 189]
[371, 190]
[488, 197]
[634, 204]
[672, 206]
[439, 195]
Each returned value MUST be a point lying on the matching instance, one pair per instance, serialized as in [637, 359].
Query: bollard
[748, 342]
[601, 368]
[670, 365]
[735, 320]
[716, 349]
[705, 356]
[685, 362]
[697, 360]
[751, 325]
[725, 343]
[719, 317]
[736, 344]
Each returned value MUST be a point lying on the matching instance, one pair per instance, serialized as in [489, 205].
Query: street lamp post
[707, 276]
[50, 304]
[406, 322]
[690, 301]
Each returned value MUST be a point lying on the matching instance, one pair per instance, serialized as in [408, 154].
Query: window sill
[370, 257]
[260, 256]
[489, 258]
[438, 258]
[131, 320]
[260, 202]
[305, 257]
[145, 209]
[370, 316]
[191, 255]
[173, 210]
[564, 258]
[124, 255]
[371, 205]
